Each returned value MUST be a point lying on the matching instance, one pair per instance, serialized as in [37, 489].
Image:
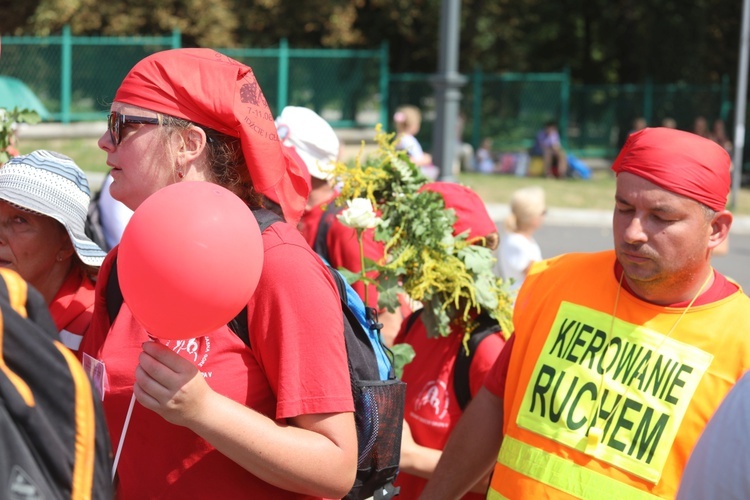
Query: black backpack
[486, 326]
[93, 226]
[55, 443]
[321, 236]
[379, 404]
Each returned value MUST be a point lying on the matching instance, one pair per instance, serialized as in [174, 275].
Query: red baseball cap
[471, 212]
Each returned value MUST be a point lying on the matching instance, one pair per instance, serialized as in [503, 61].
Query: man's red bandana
[680, 162]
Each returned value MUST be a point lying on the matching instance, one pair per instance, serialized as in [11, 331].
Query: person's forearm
[286, 456]
[470, 451]
[421, 461]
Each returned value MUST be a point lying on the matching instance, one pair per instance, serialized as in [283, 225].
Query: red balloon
[189, 260]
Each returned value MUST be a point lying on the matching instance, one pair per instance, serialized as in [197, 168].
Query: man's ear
[720, 226]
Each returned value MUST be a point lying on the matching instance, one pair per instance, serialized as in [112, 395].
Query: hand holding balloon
[189, 260]
[170, 385]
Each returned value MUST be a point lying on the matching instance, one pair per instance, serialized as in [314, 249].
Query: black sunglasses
[116, 122]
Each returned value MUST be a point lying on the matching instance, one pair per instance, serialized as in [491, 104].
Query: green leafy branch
[450, 275]
[8, 121]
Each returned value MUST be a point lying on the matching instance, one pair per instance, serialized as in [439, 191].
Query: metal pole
[741, 104]
[476, 111]
[384, 88]
[283, 84]
[447, 83]
[66, 80]
[176, 38]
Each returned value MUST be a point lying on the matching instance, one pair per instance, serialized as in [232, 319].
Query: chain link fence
[594, 120]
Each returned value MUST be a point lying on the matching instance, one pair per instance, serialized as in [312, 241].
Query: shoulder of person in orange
[187, 115]
[657, 293]
[432, 407]
[44, 198]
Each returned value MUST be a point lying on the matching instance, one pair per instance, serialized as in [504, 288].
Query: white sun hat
[311, 136]
[51, 184]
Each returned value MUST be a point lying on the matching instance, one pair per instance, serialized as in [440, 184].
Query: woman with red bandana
[271, 421]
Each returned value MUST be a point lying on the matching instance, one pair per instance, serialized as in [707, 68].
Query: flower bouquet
[451, 276]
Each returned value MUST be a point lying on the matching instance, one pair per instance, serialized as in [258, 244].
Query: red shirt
[297, 365]
[73, 308]
[310, 221]
[343, 246]
[431, 408]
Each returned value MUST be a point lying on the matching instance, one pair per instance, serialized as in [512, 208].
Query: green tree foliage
[9, 120]
[15, 15]
[210, 23]
[601, 41]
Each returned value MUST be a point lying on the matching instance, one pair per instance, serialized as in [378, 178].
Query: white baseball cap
[312, 138]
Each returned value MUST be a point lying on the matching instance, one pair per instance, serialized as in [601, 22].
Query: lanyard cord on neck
[596, 432]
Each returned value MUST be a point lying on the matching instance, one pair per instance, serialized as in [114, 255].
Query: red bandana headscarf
[213, 90]
[680, 162]
[471, 212]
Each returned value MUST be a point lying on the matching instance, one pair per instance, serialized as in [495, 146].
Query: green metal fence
[594, 119]
[346, 87]
[76, 79]
[601, 116]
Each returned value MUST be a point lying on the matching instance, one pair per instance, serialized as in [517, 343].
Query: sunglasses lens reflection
[113, 124]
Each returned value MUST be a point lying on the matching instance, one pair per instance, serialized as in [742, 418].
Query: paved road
[557, 237]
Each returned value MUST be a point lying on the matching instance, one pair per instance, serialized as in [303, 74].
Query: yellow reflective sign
[618, 397]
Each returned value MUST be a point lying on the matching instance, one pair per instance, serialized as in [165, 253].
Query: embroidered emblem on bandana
[638, 382]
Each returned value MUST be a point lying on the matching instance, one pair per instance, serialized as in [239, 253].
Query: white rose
[359, 214]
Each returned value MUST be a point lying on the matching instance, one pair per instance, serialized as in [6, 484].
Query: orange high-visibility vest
[575, 373]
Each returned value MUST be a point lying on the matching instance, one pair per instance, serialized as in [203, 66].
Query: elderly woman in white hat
[44, 198]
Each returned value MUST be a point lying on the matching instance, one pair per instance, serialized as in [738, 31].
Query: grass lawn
[596, 193]
[83, 150]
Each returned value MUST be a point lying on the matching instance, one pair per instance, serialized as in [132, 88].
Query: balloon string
[122, 436]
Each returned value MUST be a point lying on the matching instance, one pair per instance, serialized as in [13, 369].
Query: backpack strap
[113, 293]
[411, 320]
[266, 217]
[461, 387]
[93, 225]
[239, 325]
[321, 236]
